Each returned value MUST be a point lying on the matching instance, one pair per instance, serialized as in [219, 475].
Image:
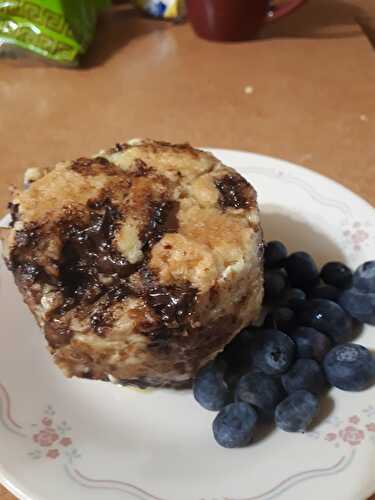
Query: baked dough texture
[139, 264]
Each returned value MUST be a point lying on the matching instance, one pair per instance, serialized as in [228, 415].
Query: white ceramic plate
[76, 439]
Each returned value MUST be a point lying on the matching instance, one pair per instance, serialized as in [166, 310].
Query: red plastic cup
[234, 20]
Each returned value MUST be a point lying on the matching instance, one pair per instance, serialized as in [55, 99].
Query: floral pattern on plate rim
[352, 431]
[355, 235]
[52, 441]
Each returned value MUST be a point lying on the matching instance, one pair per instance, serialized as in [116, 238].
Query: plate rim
[15, 485]
[294, 166]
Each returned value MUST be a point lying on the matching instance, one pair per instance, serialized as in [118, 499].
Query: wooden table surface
[310, 83]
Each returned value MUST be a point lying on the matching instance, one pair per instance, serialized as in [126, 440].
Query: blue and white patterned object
[166, 9]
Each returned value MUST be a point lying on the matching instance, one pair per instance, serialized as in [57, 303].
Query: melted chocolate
[28, 272]
[87, 252]
[235, 191]
[13, 210]
[82, 162]
[57, 334]
[139, 383]
[119, 147]
[172, 304]
[95, 166]
[102, 317]
[102, 161]
[25, 269]
[90, 268]
[163, 219]
[27, 237]
[99, 320]
[88, 255]
[141, 168]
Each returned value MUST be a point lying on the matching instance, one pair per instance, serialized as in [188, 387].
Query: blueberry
[260, 390]
[364, 277]
[359, 305]
[274, 284]
[311, 343]
[274, 253]
[283, 319]
[305, 374]
[293, 298]
[297, 411]
[328, 292]
[269, 322]
[350, 367]
[234, 426]
[302, 270]
[273, 352]
[337, 274]
[210, 388]
[232, 378]
[327, 317]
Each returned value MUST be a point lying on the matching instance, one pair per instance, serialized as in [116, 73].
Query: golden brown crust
[140, 263]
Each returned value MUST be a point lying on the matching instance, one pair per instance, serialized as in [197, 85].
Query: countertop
[304, 91]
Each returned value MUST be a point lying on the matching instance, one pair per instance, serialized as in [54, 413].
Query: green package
[59, 30]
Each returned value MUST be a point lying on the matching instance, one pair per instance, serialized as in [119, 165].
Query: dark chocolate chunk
[163, 219]
[139, 383]
[172, 303]
[57, 334]
[95, 166]
[235, 192]
[88, 256]
[27, 273]
[13, 210]
[101, 319]
[119, 147]
[141, 168]
[102, 161]
[27, 236]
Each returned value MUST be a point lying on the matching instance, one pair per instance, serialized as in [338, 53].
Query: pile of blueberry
[277, 371]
